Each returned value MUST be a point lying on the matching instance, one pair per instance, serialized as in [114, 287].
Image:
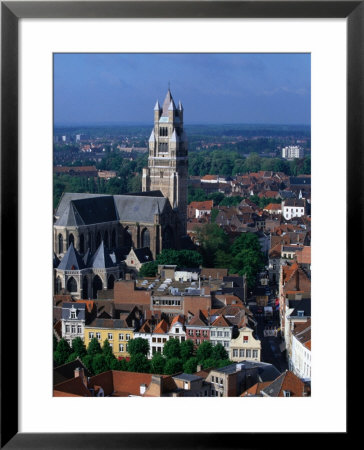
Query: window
[255, 353]
[109, 336]
[213, 333]
[98, 336]
[121, 347]
[182, 338]
[128, 337]
[248, 353]
[226, 333]
[164, 340]
[221, 394]
[198, 332]
[213, 342]
[190, 332]
[241, 353]
[159, 339]
[235, 353]
[213, 379]
[286, 394]
[246, 338]
[73, 329]
[198, 341]
[73, 314]
[154, 339]
[226, 343]
[221, 380]
[204, 333]
[90, 335]
[300, 313]
[121, 337]
[219, 334]
[79, 329]
[67, 328]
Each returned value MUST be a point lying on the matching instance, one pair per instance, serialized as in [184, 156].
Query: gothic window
[85, 288]
[145, 238]
[82, 243]
[110, 282]
[60, 243]
[113, 239]
[58, 287]
[98, 240]
[71, 238]
[96, 286]
[106, 239]
[128, 241]
[71, 285]
[168, 237]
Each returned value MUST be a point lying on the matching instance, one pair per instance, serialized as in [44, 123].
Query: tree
[62, 352]
[78, 346]
[172, 349]
[204, 351]
[209, 363]
[87, 361]
[106, 348]
[219, 352]
[211, 239]
[138, 346]
[93, 347]
[157, 364]
[71, 357]
[190, 366]
[99, 364]
[148, 269]
[186, 349]
[223, 363]
[139, 363]
[173, 365]
[55, 343]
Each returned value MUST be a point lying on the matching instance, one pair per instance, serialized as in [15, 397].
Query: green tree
[87, 361]
[211, 239]
[93, 347]
[55, 343]
[157, 364]
[245, 241]
[186, 349]
[138, 346]
[139, 363]
[223, 363]
[71, 357]
[62, 352]
[99, 364]
[148, 269]
[204, 351]
[173, 365]
[209, 363]
[253, 163]
[172, 349]
[219, 352]
[106, 348]
[190, 366]
[79, 347]
[214, 213]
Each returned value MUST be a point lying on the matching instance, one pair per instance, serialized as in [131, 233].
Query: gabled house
[137, 257]
[287, 385]
[221, 332]
[198, 329]
[245, 347]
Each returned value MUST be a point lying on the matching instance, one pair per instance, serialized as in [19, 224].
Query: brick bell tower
[168, 158]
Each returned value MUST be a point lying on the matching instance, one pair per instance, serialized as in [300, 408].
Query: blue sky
[214, 88]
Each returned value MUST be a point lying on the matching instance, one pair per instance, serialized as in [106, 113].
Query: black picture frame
[11, 12]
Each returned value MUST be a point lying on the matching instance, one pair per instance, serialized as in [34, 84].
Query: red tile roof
[162, 327]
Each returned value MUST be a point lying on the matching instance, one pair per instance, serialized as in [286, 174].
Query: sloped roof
[143, 254]
[287, 381]
[101, 259]
[71, 260]
[132, 208]
[221, 321]
[67, 371]
[86, 211]
[162, 327]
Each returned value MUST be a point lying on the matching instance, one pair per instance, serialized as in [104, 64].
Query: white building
[245, 347]
[300, 360]
[292, 151]
[293, 208]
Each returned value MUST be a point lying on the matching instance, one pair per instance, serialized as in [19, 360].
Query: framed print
[31, 34]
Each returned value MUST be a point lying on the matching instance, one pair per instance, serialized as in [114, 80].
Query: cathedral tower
[168, 158]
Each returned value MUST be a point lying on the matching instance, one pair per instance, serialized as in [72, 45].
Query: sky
[214, 88]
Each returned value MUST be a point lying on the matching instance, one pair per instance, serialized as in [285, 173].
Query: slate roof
[143, 254]
[80, 310]
[71, 260]
[187, 377]
[300, 305]
[93, 208]
[101, 259]
[86, 211]
[300, 180]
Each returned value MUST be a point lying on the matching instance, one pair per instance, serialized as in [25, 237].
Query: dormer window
[286, 393]
[300, 313]
[73, 314]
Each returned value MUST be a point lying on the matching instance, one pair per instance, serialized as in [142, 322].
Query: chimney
[143, 388]
[79, 372]
[127, 276]
[199, 368]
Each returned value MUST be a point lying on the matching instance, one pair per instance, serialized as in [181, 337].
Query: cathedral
[89, 225]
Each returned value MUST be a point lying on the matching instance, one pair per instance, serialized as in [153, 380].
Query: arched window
[82, 243]
[106, 239]
[98, 240]
[71, 238]
[60, 243]
[167, 237]
[85, 288]
[113, 239]
[145, 238]
[96, 286]
[110, 282]
[71, 285]
[58, 286]
[128, 241]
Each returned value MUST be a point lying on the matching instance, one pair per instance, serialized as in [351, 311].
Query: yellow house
[115, 331]
[245, 346]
